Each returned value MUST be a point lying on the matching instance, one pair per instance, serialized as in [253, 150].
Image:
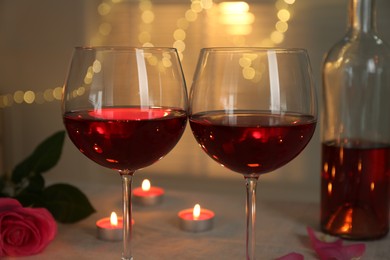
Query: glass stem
[251, 183]
[127, 179]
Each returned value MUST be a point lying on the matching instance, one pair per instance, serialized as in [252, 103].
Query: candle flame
[145, 185]
[196, 212]
[113, 219]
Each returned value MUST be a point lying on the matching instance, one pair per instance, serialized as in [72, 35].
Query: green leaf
[2, 186]
[44, 157]
[36, 184]
[67, 203]
[30, 199]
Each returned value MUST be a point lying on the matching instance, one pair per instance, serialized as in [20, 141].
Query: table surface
[283, 213]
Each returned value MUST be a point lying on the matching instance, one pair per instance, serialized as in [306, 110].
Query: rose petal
[7, 204]
[291, 256]
[24, 231]
[21, 239]
[335, 250]
[44, 219]
[316, 243]
[20, 235]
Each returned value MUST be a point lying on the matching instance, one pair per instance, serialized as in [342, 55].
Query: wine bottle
[356, 130]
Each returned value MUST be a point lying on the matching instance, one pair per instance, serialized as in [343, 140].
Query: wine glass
[252, 110]
[125, 108]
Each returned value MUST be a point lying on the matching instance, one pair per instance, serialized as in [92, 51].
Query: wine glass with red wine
[125, 108]
[252, 110]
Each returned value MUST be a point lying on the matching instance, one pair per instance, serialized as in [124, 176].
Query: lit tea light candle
[148, 195]
[196, 219]
[110, 229]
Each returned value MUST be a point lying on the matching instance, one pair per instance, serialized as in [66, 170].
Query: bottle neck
[362, 16]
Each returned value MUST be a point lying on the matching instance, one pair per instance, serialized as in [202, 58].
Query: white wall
[36, 41]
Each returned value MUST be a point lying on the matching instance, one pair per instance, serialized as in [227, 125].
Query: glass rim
[123, 48]
[254, 49]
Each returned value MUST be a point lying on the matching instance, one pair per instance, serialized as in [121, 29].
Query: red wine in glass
[125, 138]
[250, 142]
[252, 110]
[354, 188]
[125, 108]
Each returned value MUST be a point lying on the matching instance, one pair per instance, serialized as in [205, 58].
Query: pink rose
[24, 231]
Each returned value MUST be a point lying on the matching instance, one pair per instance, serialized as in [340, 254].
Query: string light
[30, 97]
[283, 15]
[147, 18]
